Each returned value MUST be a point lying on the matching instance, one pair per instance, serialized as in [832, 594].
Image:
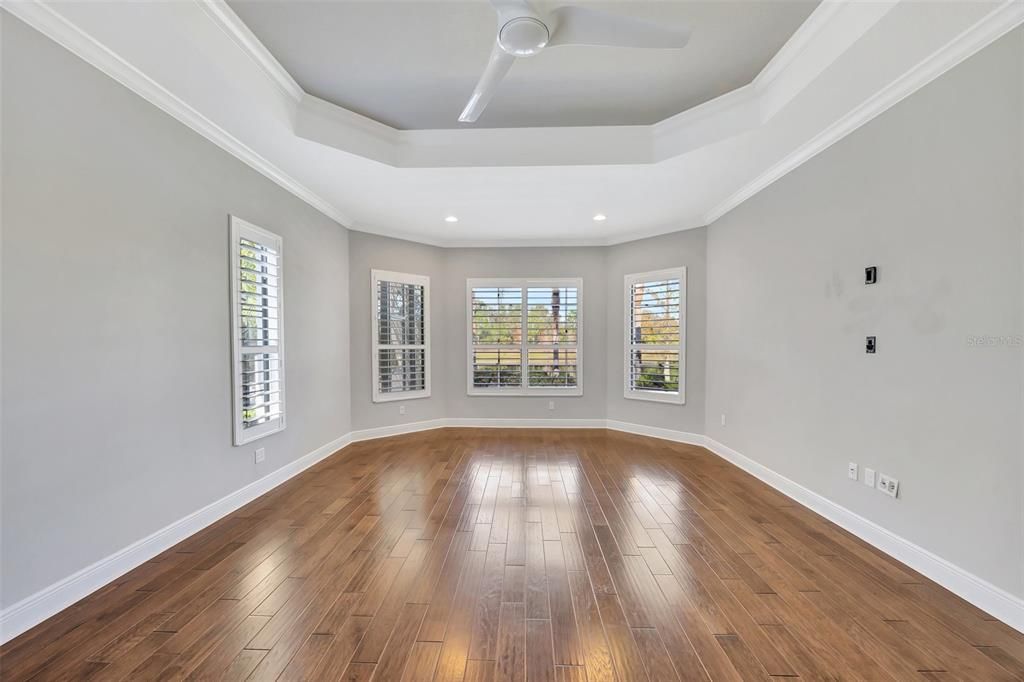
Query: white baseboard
[657, 432]
[396, 429]
[527, 423]
[36, 608]
[983, 594]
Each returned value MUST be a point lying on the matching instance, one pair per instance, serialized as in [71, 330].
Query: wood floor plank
[399, 646]
[511, 652]
[484, 643]
[493, 554]
[627, 655]
[422, 661]
[540, 660]
[597, 655]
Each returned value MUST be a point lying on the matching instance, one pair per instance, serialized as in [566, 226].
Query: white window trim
[678, 398]
[524, 391]
[403, 278]
[238, 229]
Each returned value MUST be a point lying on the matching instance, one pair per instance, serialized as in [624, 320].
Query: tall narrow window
[401, 336]
[655, 340]
[551, 336]
[503, 360]
[256, 324]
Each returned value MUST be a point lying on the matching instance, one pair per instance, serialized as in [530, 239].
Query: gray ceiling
[413, 65]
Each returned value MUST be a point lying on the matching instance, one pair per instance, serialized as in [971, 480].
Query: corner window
[524, 337]
[401, 336]
[256, 331]
[655, 342]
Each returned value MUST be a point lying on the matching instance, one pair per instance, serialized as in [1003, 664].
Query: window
[546, 360]
[655, 362]
[256, 331]
[401, 336]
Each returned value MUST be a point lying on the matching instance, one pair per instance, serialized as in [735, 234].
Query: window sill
[656, 397]
[247, 436]
[526, 393]
[396, 397]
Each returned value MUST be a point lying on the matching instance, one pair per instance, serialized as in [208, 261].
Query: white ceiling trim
[826, 34]
[253, 115]
[618, 238]
[799, 41]
[322, 121]
[983, 33]
[225, 17]
[45, 20]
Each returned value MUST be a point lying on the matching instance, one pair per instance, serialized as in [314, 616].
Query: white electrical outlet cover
[851, 471]
[869, 477]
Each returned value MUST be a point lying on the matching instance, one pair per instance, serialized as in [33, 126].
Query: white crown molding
[44, 19]
[998, 23]
[796, 44]
[616, 238]
[36, 608]
[731, 147]
[832, 29]
[983, 594]
[226, 18]
[726, 116]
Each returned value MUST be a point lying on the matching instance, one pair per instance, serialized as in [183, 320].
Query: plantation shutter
[552, 314]
[257, 274]
[497, 334]
[524, 337]
[655, 329]
[401, 346]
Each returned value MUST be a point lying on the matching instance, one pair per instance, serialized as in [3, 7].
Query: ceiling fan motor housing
[523, 36]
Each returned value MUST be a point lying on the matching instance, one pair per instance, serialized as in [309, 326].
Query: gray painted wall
[462, 264]
[930, 192]
[116, 364]
[368, 252]
[109, 202]
[602, 270]
[689, 249]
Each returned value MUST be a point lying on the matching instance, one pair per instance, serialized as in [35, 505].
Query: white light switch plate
[851, 471]
[869, 477]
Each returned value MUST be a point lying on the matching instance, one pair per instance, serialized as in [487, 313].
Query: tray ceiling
[413, 65]
[849, 62]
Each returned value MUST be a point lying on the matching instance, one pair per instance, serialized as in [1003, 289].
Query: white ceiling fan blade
[584, 26]
[512, 9]
[497, 66]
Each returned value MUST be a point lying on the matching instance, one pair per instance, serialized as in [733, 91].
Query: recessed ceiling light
[451, 219]
[600, 217]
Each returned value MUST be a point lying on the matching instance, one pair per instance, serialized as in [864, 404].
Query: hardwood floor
[478, 554]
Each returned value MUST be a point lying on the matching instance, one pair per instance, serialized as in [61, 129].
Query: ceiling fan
[523, 32]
